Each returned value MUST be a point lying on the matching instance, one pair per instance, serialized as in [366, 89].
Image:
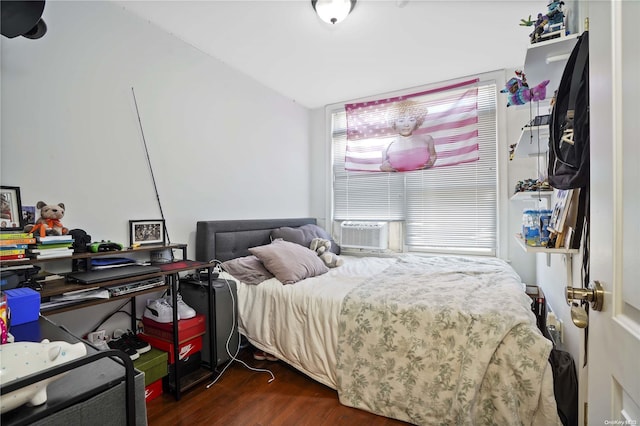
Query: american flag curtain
[445, 118]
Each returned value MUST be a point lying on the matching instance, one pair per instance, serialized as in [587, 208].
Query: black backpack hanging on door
[569, 125]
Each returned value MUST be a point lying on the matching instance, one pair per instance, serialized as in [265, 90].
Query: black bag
[569, 125]
[565, 386]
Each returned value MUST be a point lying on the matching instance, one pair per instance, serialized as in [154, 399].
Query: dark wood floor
[243, 397]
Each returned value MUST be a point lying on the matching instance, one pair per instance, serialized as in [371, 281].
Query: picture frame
[29, 215]
[146, 232]
[10, 209]
[560, 210]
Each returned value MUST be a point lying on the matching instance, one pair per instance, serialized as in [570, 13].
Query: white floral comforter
[445, 341]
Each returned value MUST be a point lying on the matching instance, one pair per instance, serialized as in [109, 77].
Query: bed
[423, 339]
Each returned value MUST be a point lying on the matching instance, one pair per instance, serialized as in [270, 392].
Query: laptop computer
[97, 276]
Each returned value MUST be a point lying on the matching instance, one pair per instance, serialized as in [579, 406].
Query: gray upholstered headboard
[227, 239]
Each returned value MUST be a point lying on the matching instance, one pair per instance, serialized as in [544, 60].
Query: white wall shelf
[534, 141]
[546, 250]
[567, 252]
[529, 195]
[546, 61]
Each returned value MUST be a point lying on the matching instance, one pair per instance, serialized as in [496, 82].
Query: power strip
[96, 336]
[98, 339]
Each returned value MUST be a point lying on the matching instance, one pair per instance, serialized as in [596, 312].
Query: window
[449, 209]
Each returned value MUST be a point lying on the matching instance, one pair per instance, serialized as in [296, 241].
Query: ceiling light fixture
[333, 11]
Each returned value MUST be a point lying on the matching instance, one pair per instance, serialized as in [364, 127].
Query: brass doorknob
[593, 295]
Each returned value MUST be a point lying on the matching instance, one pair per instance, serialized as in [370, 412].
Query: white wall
[221, 145]
[320, 164]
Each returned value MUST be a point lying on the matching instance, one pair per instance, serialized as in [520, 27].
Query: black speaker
[219, 304]
[22, 18]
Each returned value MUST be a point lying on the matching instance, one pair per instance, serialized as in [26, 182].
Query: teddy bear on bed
[49, 221]
[322, 246]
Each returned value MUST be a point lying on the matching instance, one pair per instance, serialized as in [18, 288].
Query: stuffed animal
[49, 221]
[322, 246]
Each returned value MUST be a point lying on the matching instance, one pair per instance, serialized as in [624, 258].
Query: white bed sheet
[307, 311]
[301, 324]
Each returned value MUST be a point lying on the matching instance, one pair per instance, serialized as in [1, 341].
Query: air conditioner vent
[364, 235]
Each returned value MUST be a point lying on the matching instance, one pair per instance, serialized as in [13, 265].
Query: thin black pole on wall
[146, 150]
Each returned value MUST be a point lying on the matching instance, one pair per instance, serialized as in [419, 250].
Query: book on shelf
[13, 247]
[69, 253]
[53, 245]
[564, 217]
[54, 239]
[562, 200]
[13, 257]
[7, 252]
[14, 241]
[573, 229]
[50, 251]
[15, 235]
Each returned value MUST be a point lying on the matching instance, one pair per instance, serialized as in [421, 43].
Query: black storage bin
[219, 305]
[189, 365]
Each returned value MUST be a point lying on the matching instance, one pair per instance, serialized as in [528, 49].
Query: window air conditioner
[364, 235]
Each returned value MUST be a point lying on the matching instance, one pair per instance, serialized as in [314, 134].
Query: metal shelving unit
[170, 276]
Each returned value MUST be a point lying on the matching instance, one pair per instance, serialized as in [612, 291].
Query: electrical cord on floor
[234, 357]
[105, 319]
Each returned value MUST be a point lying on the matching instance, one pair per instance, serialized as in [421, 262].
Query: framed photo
[10, 209]
[146, 232]
[560, 210]
[29, 215]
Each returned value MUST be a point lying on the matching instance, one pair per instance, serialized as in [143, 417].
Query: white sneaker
[184, 311]
[159, 310]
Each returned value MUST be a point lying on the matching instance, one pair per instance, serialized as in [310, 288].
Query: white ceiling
[381, 47]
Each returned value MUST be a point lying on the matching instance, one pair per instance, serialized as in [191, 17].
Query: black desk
[93, 391]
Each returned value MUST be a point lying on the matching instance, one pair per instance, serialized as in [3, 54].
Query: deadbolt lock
[593, 295]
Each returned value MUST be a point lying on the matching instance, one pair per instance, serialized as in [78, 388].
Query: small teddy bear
[49, 221]
[322, 246]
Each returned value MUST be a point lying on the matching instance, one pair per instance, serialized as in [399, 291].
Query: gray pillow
[247, 269]
[289, 262]
[303, 235]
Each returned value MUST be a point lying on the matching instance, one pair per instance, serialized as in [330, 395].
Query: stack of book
[51, 246]
[13, 245]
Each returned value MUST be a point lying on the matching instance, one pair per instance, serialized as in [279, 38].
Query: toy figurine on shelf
[538, 28]
[549, 25]
[526, 22]
[555, 15]
[512, 151]
[519, 91]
